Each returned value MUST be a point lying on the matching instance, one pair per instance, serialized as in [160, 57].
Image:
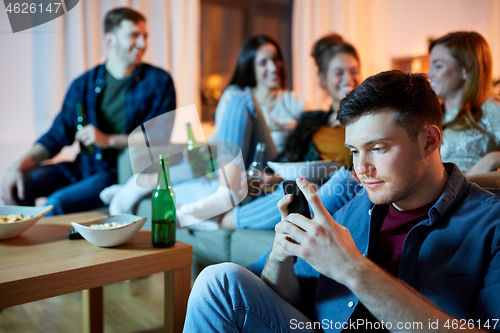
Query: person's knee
[218, 278]
[60, 205]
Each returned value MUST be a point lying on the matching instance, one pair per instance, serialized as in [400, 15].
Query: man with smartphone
[420, 252]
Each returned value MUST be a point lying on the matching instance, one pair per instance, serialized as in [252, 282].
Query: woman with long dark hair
[254, 108]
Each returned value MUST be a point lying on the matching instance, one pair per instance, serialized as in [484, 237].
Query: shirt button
[73, 179]
[98, 89]
[350, 304]
[98, 156]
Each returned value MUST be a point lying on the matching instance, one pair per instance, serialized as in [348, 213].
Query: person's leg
[229, 298]
[194, 190]
[80, 196]
[181, 173]
[261, 213]
[43, 181]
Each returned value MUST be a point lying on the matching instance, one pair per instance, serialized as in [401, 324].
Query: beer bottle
[163, 208]
[201, 163]
[255, 173]
[81, 122]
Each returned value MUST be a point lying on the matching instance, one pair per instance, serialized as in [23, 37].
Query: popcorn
[109, 225]
[14, 218]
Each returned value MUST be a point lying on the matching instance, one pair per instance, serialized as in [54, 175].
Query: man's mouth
[372, 184]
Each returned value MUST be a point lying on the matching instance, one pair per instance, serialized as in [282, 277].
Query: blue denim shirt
[151, 93]
[452, 258]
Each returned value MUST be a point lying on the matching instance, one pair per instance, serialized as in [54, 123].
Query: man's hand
[90, 135]
[13, 178]
[282, 238]
[323, 243]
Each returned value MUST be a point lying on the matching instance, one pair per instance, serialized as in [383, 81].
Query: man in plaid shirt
[116, 97]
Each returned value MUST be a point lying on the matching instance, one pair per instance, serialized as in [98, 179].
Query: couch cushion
[247, 245]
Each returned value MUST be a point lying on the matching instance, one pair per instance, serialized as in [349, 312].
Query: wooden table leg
[177, 289]
[92, 310]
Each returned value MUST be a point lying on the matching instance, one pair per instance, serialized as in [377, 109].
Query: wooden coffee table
[43, 263]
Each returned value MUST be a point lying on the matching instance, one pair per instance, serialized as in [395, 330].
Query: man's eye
[378, 149]
[353, 152]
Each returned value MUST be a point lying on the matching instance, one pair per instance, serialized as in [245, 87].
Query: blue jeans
[229, 298]
[65, 188]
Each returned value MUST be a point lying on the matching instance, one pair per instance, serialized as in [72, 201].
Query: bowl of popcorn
[110, 231]
[14, 220]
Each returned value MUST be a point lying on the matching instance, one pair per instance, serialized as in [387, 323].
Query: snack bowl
[112, 236]
[313, 171]
[14, 229]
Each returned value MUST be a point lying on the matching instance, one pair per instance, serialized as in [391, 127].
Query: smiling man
[116, 97]
[420, 252]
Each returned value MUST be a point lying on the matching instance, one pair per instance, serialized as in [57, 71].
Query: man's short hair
[115, 17]
[409, 95]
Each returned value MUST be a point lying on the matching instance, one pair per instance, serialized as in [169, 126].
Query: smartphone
[299, 203]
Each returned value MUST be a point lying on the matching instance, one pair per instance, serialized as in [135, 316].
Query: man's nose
[363, 166]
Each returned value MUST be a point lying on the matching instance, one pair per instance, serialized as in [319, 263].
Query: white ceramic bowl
[313, 171]
[110, 237]
[13, 229]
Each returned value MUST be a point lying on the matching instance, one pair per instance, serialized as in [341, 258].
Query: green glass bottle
[81, 122]
[200, 158]
[163, 208]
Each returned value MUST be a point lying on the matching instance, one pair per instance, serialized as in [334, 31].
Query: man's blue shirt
[452, 257]
[151, 93]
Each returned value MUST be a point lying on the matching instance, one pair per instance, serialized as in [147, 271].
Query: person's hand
[13, 178]
[323, 243]
[90, 135]
[281, 238]
[257, 185]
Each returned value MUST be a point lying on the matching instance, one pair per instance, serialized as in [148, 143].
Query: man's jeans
[229, 298]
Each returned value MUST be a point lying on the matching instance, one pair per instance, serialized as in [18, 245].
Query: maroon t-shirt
[395, 227]
[393, 231]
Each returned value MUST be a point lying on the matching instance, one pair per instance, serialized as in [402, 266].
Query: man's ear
[430, 139]
[322, 80]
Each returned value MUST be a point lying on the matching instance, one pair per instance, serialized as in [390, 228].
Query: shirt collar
[454, 191]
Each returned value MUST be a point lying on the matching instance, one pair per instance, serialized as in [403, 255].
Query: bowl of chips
[14, 220]
[110, 231]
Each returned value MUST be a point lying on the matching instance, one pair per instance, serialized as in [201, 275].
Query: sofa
[243, 246]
